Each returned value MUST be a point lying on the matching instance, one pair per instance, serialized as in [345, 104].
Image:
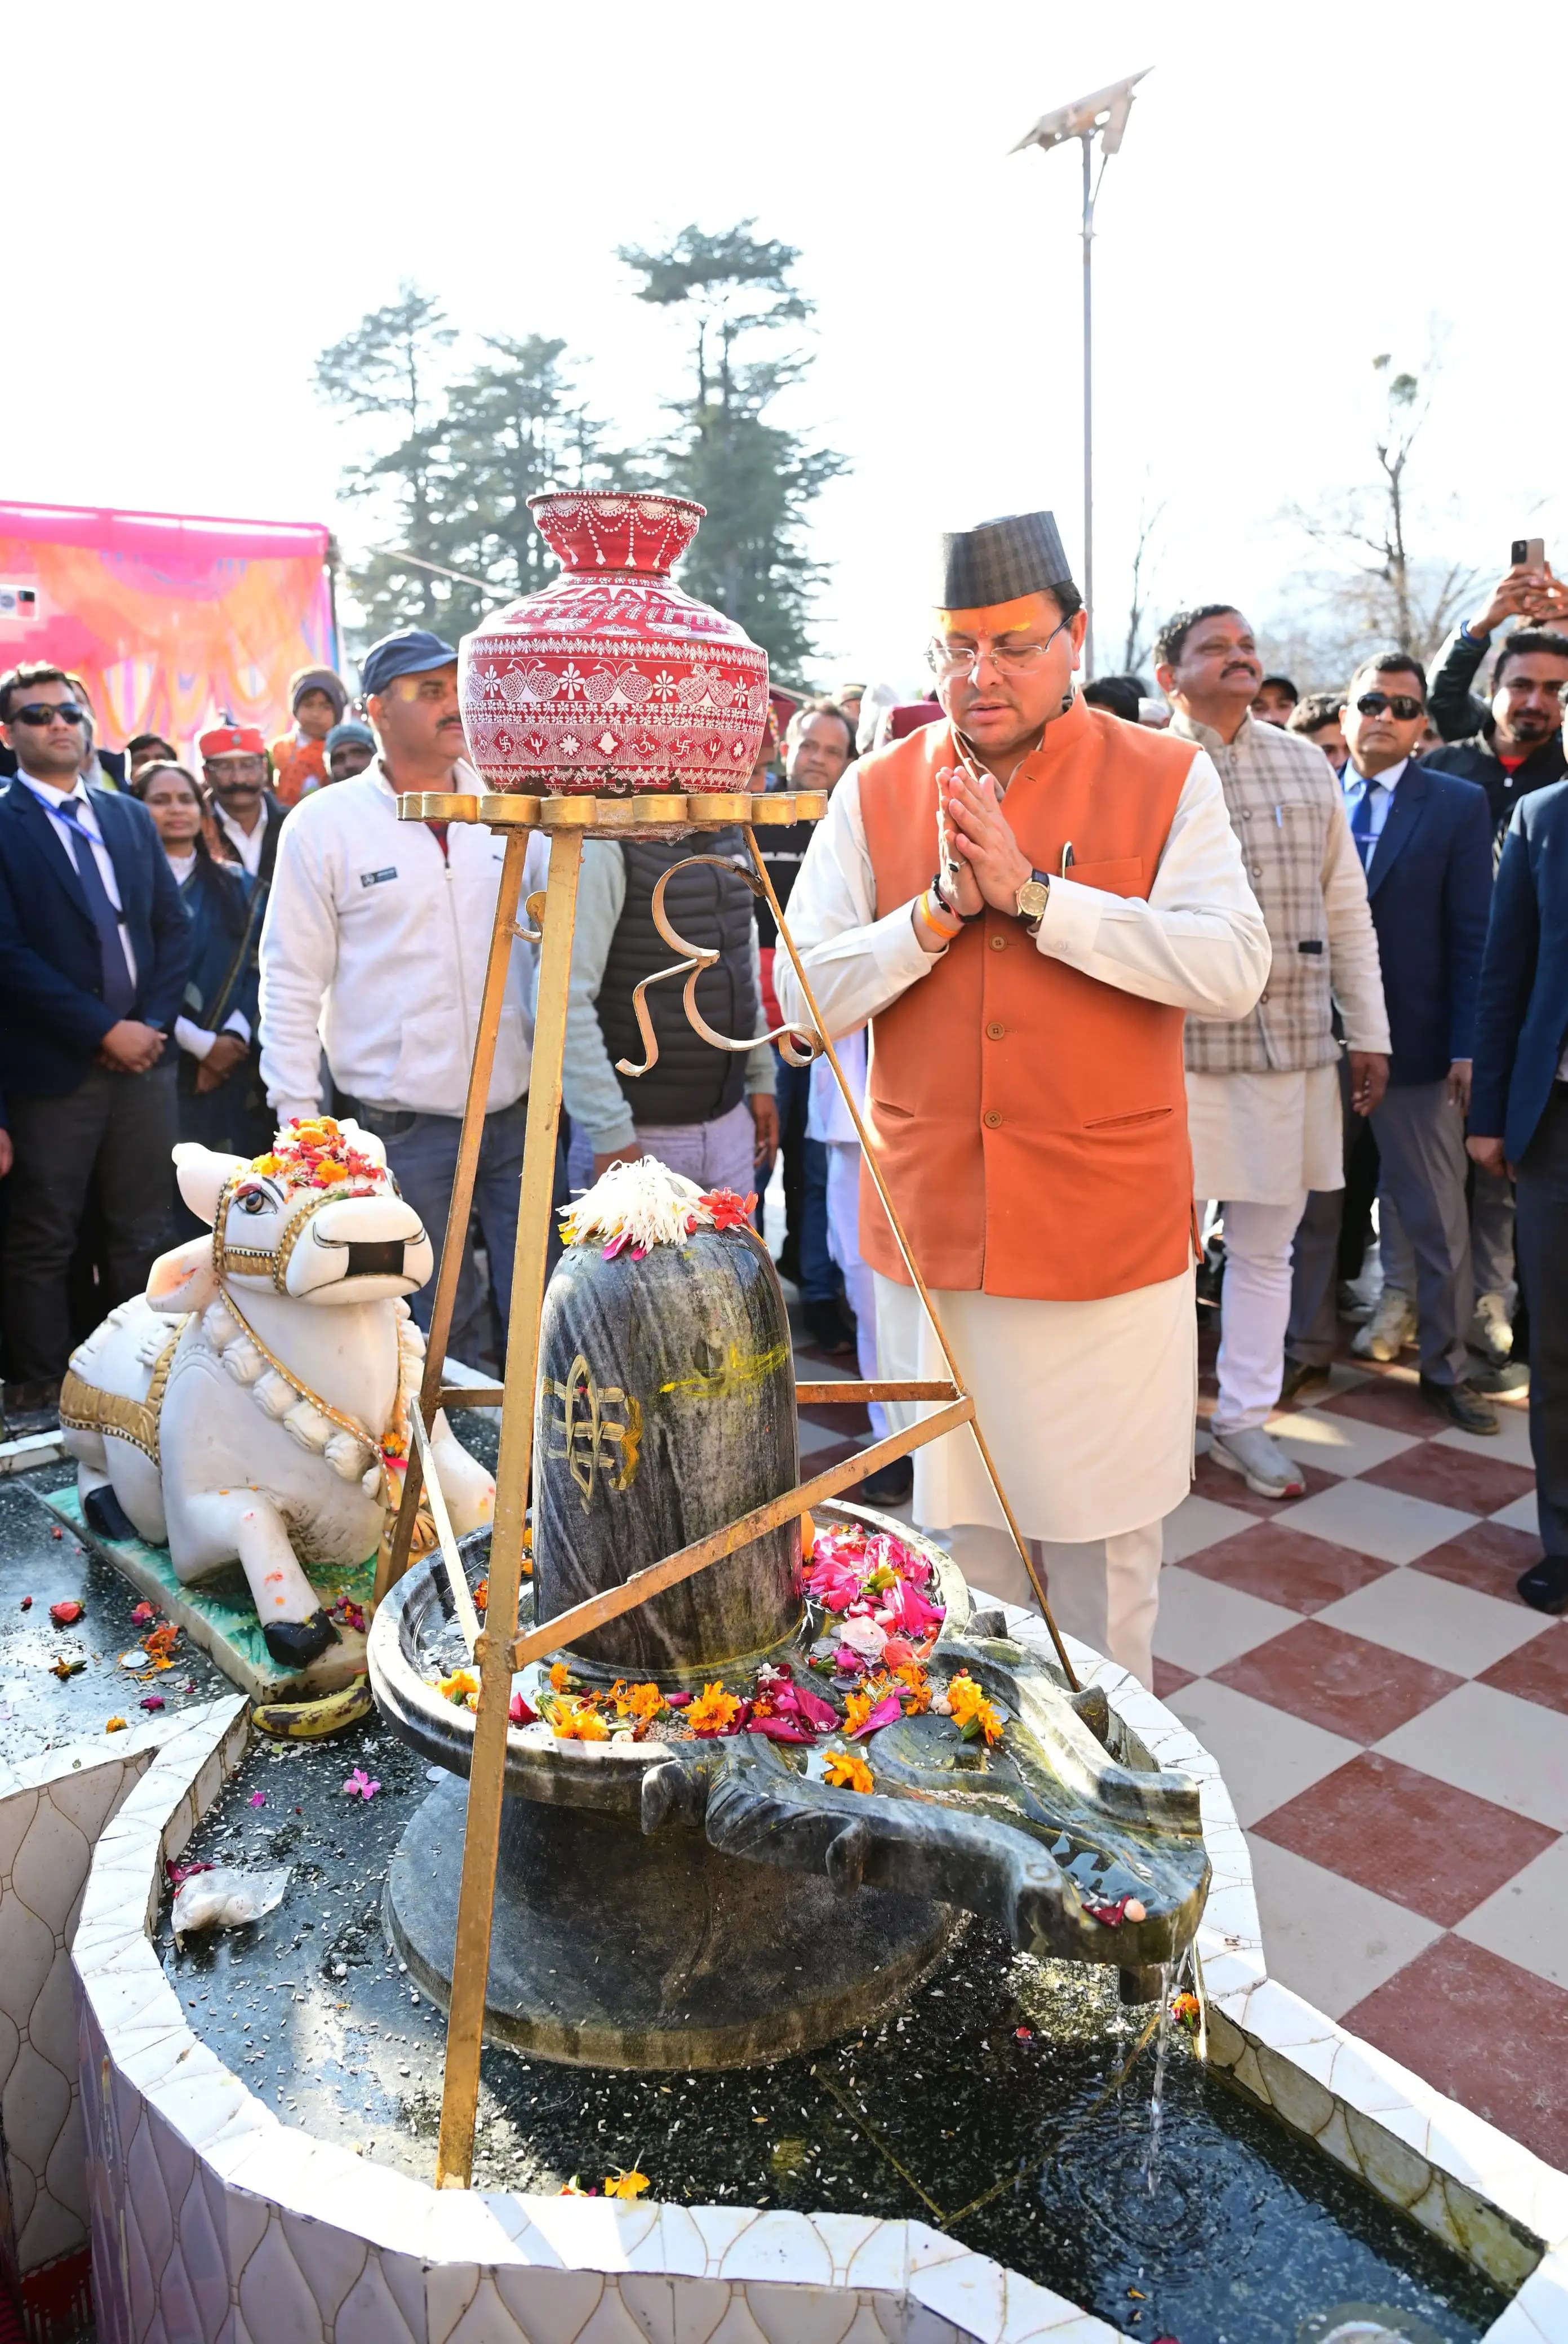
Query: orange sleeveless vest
[1031, 1122]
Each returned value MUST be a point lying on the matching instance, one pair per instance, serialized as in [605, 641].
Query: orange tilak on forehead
[1000, 617]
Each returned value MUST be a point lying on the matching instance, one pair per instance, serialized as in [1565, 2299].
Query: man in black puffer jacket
[1516, 746]
[706, 1112]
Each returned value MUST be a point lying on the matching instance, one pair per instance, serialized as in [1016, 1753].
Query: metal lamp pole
[1104, 115]
[1086, 142]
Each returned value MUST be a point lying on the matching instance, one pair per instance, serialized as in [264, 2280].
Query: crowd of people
[1340, 916]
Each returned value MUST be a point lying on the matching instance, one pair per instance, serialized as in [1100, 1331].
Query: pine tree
[466, 456]
[758, 480]
[516, 427]
[388, 370]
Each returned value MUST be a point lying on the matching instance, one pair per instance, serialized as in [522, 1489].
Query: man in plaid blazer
[1263, 1091]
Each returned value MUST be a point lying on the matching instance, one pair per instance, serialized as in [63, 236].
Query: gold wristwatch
[1030, 903]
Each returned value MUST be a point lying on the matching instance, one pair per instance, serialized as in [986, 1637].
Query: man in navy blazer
[1425, 842]
[94, 945]
[1519, 1119]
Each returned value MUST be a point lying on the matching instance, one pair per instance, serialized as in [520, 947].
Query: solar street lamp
[1102, 113]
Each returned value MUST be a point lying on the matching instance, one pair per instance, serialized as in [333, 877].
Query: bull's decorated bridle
[253, 1261]
[257, 1261]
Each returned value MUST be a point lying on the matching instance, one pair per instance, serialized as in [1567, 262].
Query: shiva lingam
[749, 1814]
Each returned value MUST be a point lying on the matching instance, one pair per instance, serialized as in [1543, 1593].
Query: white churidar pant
[1254, 1310]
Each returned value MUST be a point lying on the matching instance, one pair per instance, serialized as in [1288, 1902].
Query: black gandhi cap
[998, 560]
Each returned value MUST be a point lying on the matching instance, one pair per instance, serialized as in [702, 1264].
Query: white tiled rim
[211, 2219]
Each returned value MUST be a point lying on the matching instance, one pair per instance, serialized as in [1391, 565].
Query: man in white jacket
[374, 950]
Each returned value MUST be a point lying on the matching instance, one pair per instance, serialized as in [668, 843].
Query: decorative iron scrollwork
[795, 1049]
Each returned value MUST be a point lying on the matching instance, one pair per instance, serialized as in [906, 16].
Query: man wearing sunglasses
[1024, 899]
[1512, 746]
[1424, 839]
[94, 949]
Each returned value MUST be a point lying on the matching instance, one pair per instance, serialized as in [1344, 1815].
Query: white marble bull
[237, 1410]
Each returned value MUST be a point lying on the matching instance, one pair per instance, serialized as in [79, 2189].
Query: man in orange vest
[1025, 900]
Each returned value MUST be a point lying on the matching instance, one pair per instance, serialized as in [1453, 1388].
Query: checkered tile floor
[1392, 1722]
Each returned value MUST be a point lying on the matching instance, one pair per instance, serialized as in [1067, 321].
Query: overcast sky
[222, 192]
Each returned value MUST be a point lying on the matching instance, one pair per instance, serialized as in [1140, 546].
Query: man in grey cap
[374, 950]
[350, 747]
[1025, 900]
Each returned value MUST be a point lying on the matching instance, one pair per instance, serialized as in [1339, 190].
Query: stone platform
[220, 1617]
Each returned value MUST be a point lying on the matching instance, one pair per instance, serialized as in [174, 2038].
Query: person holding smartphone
[1512, 746]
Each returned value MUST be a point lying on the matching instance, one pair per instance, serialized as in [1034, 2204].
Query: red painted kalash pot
[610, 687]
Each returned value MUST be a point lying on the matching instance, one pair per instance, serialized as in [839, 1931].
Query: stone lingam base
[662, 1920]
[680, 1904]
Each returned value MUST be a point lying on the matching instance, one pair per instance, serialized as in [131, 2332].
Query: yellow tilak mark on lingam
[737, 1372]
[592, 1440]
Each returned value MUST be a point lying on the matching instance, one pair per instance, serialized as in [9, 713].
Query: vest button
[1246, 814]
[998, 944]
[991, 1119]
[994, 1032]
[1262, 1001]
[1257, 871]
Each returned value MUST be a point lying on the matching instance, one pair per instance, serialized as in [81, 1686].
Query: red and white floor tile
[1392, 1722]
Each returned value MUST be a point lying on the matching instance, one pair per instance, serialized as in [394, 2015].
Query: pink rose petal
[886, 1712]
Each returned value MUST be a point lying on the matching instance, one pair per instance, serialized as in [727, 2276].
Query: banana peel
[313, 1720]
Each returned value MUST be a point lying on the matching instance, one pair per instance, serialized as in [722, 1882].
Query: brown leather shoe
[1303, 1380]
[1461, 1404]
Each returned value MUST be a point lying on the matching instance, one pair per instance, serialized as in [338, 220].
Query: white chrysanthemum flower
[643, 1204]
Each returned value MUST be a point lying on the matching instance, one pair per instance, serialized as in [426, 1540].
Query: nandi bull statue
[252, 1405]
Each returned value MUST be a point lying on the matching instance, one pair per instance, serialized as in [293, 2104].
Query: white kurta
[1260, 1139]
[1087, 1407]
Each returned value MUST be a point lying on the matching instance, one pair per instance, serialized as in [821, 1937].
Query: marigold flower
[622, 2184]
[972, 1714]
[963, 1693]
[917, 1687]
[462, 1689]
[1186, 2012]
[847, 1770]
[577, 1721]
[714, 1710]
[560, 1677]
[328, 1172]
[268, 1163]
[642, 1702]
[857, 1708]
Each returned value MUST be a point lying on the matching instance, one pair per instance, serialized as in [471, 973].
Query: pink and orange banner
[171, 619]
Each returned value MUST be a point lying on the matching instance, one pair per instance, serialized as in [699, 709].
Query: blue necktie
[120, 989]
[1362, 825]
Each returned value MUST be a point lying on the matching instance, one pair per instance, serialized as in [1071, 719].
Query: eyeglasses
[1402, 704]
[44, 711]
[949, 661]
